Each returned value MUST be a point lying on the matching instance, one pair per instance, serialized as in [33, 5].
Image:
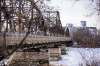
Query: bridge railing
[15, 38]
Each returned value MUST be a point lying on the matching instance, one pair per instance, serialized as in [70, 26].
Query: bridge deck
[31, 39]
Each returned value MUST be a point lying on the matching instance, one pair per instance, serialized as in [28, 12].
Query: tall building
[92, 30]
[83, 23]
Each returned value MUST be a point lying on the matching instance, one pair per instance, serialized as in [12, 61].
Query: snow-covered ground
[76, 56]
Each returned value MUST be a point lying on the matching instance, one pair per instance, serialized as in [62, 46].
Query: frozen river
[79, 57]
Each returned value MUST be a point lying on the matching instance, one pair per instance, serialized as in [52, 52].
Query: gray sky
[73, 12]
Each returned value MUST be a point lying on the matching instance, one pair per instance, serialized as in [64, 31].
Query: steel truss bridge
[27, 23]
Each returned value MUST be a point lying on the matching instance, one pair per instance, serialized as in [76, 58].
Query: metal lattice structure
[16, 14]
[52, 19]
[22, 17]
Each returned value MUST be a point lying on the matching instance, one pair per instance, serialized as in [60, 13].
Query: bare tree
[95, 4]
[84, 38]
[90, 58]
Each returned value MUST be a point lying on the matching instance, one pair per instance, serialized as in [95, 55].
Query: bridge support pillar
[54, 54]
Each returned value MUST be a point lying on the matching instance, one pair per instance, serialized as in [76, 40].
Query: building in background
[91, 30]
[83, 23]
[83, 29]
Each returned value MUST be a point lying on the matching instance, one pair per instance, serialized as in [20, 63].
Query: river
[79, 57]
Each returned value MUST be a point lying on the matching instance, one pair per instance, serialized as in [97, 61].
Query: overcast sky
[73, 12]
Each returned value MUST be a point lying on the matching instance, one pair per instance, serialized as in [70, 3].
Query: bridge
[13, 39]
[29, 24]
[14, 42]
